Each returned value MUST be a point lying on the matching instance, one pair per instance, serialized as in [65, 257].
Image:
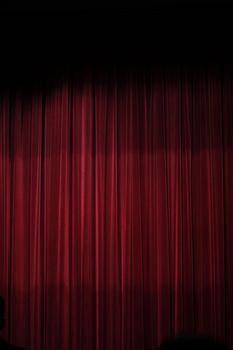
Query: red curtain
[116, 210]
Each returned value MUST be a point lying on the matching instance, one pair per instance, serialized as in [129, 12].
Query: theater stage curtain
[116, 210]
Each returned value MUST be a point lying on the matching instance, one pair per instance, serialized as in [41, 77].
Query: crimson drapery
[116, 217]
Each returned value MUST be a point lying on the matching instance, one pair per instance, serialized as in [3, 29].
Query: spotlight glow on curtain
[116, 210]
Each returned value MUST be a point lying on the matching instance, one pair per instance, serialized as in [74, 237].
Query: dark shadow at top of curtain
[32, 78]
[171, 107]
